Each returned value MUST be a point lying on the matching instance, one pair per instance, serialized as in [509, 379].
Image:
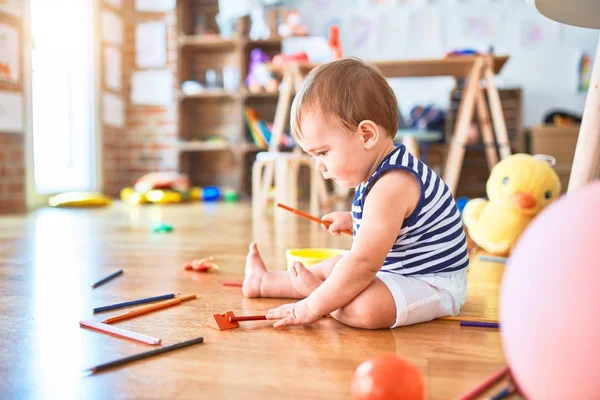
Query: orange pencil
[147, 309]
[310, 217]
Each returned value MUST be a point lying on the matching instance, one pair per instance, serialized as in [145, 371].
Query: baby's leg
[258, 282]
[373, 308]
[396, 300]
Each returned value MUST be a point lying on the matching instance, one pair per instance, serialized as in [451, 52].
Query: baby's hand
[340, 221]
[292, 314]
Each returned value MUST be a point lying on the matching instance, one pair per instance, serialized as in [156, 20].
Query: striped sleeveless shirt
[432, 238]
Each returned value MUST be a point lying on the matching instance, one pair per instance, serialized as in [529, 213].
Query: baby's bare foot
[303, 280]
[255, 269]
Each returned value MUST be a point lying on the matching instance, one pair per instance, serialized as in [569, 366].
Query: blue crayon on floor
[134, 302]
[108, 278]
[480, 324]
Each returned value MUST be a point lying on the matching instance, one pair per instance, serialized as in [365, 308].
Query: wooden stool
[286, 167]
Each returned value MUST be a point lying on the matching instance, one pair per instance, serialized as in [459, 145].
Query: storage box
[560, 143]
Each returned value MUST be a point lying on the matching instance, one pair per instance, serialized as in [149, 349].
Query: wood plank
[46, 273]
[458, 67]
[206, 42]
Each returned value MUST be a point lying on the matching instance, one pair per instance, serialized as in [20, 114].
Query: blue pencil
[493, 259]
[480, 324]
[134, 302]
[504, 393]
[108, 278]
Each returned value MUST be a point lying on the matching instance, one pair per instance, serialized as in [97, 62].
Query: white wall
[546, 70]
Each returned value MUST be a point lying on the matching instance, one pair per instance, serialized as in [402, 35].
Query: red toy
[334, 42]
[202, 265]
[227, 320]
[388, 376]
[281, 59]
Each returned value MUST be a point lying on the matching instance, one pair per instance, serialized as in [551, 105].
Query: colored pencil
[311, 217]
[485, 385]
[147, 309]
[460, 318]
[480, 324]
[108, 278]
[504, 393]
[232, 283]
[140, 356]
[138, 337]
[134, 302]
[500, 260]
[248, 318]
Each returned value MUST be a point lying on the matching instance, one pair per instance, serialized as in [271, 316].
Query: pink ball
[549, 301]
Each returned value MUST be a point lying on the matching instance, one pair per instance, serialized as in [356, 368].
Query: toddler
[408, 259]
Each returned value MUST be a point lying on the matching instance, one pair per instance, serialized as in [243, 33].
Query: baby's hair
[349, 90]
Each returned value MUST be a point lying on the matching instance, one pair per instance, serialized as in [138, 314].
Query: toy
[548, 301]
[280, 59]
[162, 180]
[334, 42]
[201, 265]
[461, 202]
[231, 196]
[258, 28]
[518, 188]
[161, 188]
[259, 77]
[388, 376]
[310, 256]
[211, 193]
[79, 199]
[462, 52]
[292, 25]
[227, 320]
[162, 228]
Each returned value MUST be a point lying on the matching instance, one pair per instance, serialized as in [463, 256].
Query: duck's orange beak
[524, 201]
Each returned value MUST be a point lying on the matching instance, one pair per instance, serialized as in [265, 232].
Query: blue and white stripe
[432, 238]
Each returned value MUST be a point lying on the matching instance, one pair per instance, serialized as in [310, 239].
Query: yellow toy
[162, 187]
[79, 199]
[518, 188]
[159, 196]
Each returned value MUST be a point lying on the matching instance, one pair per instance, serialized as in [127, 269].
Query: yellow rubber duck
[518, 188]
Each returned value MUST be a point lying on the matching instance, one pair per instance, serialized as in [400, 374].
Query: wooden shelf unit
[214, 147]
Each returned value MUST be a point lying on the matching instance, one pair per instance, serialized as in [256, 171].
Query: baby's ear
[369, 133]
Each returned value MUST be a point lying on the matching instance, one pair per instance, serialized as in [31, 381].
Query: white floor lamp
[585, 14]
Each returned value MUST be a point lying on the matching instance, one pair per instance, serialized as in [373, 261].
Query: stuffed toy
[518, 188]
[259, 77]
[161, 188]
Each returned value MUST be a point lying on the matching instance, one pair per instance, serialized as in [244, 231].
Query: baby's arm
[391, 199]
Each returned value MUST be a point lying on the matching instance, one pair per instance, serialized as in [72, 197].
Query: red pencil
[485, 385]
[232, 283]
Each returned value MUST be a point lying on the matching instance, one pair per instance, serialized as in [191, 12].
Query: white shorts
[421, 298]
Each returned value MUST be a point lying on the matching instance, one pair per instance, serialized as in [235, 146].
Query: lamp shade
[582, 13]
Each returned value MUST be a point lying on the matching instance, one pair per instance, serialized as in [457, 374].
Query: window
[63, 98]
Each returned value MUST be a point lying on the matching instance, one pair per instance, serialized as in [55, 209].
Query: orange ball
[388, 376]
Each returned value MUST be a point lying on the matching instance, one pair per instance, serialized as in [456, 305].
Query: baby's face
[339, 153]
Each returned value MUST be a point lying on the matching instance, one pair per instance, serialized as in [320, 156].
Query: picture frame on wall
[9, 54]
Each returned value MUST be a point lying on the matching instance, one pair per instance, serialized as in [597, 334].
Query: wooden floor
[49, 258]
